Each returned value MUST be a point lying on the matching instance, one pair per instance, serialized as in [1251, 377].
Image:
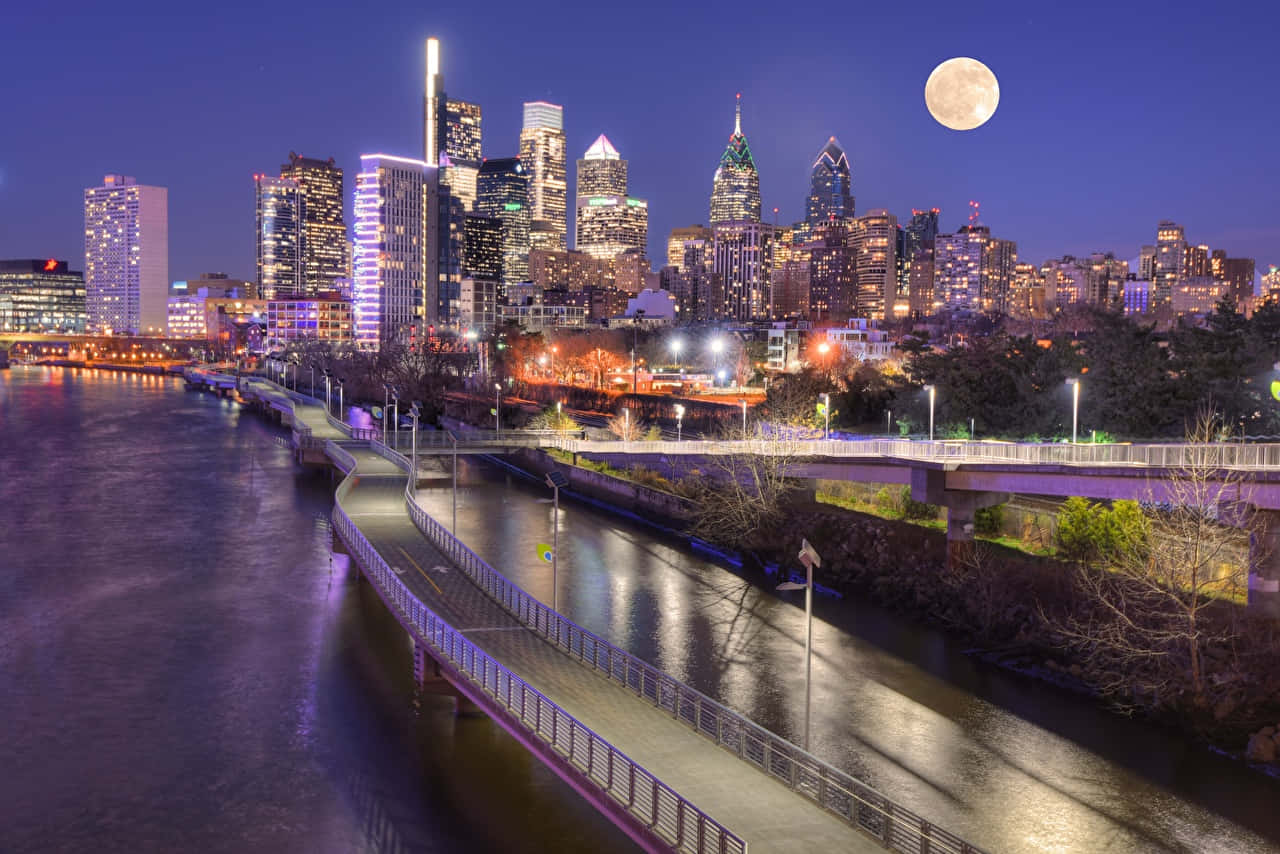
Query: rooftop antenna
[737, 118]
[973, 212]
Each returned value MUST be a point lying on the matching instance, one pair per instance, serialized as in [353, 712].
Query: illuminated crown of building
[735, 189]
[602, 149]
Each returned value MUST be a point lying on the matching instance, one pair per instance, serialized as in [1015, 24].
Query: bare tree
[626, 428]
[741, 495]
[1150, 617]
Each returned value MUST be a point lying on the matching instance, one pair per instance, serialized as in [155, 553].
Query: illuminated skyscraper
[1147, 264]
[875, 242]
[392, 200]
[41, 295]
[676, 241]
[602, 171]
[1171, 261]
[542, 151]
[915, 249]
[278, 236]
[323, 247]
[482, 248]
[434, 115]
[502, 192]
[1236, 273]
[735, 189]
[126, 256]
[463, 143]
[957, 271]
[830, 187]
[742, 253]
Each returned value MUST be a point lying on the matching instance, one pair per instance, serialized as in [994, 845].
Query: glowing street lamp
[826, 414]
[809, 557]
[743, 401]
[675, 345]
[933, 392]
[497, 409]
[1074, 382]
[679, 419]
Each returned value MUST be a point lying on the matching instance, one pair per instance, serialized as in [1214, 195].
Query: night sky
[1112, 116]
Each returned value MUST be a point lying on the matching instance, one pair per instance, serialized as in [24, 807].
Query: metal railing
[671, 817]
[1231, 455]
[894, 826]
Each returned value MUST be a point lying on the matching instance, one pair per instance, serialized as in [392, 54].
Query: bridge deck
[765, 813]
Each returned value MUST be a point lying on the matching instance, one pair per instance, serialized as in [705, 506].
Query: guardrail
[894, 826]
[1231, 455]
[671, 817]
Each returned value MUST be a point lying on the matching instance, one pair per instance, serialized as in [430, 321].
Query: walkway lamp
[342, 412]
[414, 412]
[826, 414]
[454, 437]
[395, 417]
[555, 480]
[933, 394]
[1074, 382]
[743, 401]
[311, 365]
[328, 388]
[626, 420]
[386, 399]
[888, 422]
[679, 419]
[497, 409]
[810, 559]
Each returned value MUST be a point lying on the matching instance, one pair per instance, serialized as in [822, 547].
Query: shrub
[1093, 533]
[987, 520]
[886, 503]
[913, 510]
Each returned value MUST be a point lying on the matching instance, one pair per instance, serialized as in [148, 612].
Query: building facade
[464, 146]
[676, 240]
[875, 243]
[278, 235]
[542, 151]
[1170, 261]
[742, 258]
[393, 198]
[322, 244]
[601, 170]
[735, 187]
[607, 226]
[41, 295]
[126, 256]
[830, 187]
[502, 193]
[320, 317]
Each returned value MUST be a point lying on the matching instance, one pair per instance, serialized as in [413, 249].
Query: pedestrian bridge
[672, 767]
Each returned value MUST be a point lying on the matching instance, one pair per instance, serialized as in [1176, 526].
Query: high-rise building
[699, 290]
[915, 250]
[542, 151]
[789, 285]
[278, 236]
[322, 254]
[608, 223]
[602, 171]
[735, 188]
[502, 192]
[126, 256]
[742, 253]
[875, 267]
[676, 241]
[434, 112]
[394, 198]
[463, 144]
[1236, 273]
[1026, 295]
[482, 248]
[830, 187]
[1106, 278]
[1197, 266]
[1066, 281]
[1171, 261]
[41, 295]
[999, 260]
[833, 289]
[957, 271]
[1147, 263]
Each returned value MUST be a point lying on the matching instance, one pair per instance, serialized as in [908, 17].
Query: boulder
[1261, 748]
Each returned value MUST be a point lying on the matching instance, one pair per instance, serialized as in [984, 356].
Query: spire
[737, 117]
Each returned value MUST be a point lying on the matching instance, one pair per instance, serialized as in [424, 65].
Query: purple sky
[1112, 116]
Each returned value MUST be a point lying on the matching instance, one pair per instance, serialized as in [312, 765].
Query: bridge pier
[1264, 563]
[962, 509]
[426, 672]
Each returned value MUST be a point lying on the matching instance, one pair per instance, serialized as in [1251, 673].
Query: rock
[1267, 731]
[1261, 749]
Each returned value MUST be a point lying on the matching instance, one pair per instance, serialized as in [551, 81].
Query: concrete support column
[1264, 564]
[962, 508]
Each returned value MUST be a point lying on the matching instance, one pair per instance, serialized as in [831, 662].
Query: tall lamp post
[395, 417]
[675, 345]
[717, 347]
[414, 412]
[311, 365]
[342, 412]
[933, 393]
[555, 480]
[454, 437]
[635, 360]
[679, 419]
[328, 388]
[826, 414]
[1075, 405]
[743, 401]
[497, 409]
[810, 559]
[386, 401]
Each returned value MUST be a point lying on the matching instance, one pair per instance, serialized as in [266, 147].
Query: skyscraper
[916, 251]
[1236, 273]
[602, 171]
[830, 187]
[833, 291]
[322, 255]
[434, 116]
[464, 146]
[735, 188]
[1147, 264]
[392, 199]
[502, 192]
[957, 271]
[278, 236]
[482, 248]
[542, 151]
[1171, 261]
[742, 253]
[676, 241]
[875, 242]
[126, 256]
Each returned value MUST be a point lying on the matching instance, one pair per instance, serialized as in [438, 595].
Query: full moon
[962, 93]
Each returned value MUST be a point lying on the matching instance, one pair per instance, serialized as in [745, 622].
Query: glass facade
[542, 151]
[322, 250]
[39, 295]
[502, 192]
[126, 256]
[279, 235]
[607, 226]
[830, 187]
[323, 318]
[735, 188]
[601, 170]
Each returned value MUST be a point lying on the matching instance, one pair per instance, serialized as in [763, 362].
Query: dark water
[1011, 764]
[184, 667]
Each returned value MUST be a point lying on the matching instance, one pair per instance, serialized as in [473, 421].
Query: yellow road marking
[420, 570]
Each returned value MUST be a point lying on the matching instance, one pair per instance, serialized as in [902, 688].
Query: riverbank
[1007, 604]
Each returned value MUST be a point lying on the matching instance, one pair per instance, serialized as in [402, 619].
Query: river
[188, 666]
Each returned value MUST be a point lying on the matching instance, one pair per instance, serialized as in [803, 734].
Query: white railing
[1172, 455]
[894, 826]
[669, 816]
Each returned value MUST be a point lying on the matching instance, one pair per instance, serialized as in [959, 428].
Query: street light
[1075, 405]
[810, 559]
[933, 393]
[675, 345]
[555, 480]
[888, 422]
[823, 349]
[626, 420]
[454, 437]
[497, 409]
[395, 417]
[386, 401]
[679, 419]
[826, 414]
[414, 412]
[328, 387]
[342, 413]
[743, 401]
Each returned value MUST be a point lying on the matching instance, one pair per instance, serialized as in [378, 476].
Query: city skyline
[1100, 196]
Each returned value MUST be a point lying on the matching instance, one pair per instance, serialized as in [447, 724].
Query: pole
[497, 410]
[931, 395]
[1075, 408]
[415, 453]
[888, 422]
[395, 421]
[808, 645]
[970, 429]
[744, 419]
[555, 551]
[386, 399]
[454, 437]
[341, 409]
[313, 380]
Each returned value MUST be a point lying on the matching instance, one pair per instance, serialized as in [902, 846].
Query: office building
[676, 241]
[41, 295]
[126, 256]
[789, 288]
[1105, 281]
[502, 193]
[542, 151]
[1147, 263]
[601, 170]
[1197, 295]
[999, 261]
[278, 235]
[482, 248]
[1197, 265]
[1170, 261]
[434, 115]
[218, 284]
[1236, 273]
[735, 187]
[320, 317]
[742, 259]
[463, 141]
[833, 289]
[631, 271]
[478, 304]
[830, 187]
[1026, 295]
[915, 250]
[974, 271]
[393, 198]
[322, 254]
[1137, 296]
[875, 244]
